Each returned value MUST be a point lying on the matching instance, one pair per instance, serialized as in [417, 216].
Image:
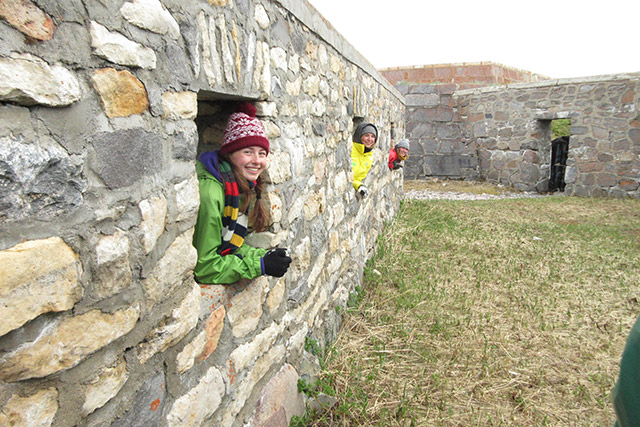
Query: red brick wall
[466, 74]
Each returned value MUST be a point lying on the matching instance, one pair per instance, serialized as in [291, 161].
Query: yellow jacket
[360, 163]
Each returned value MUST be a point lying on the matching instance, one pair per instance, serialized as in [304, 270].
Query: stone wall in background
[103, 106]
[511, 127]
[439, 144]
[503, 133]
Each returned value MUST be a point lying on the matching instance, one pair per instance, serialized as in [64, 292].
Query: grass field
[487, 313]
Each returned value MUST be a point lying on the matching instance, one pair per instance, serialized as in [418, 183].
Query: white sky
[555, 38]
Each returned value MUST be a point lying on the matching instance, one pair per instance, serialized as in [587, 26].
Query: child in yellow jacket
[364, 140]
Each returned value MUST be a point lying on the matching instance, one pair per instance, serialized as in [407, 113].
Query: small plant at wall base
[560, 127]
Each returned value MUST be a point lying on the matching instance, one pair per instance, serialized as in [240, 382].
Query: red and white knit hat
[243, 130]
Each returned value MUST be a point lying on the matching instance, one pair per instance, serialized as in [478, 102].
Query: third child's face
[250, 161]
[368, 139]
[402, 151]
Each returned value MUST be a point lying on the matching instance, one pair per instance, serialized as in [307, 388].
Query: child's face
[250, 161]
[402, 151]
[368, 139]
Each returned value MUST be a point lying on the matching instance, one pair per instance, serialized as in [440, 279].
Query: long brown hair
[258, 216]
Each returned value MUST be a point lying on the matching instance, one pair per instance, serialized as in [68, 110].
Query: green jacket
[626, 393]
[360, 163]
[212, 268]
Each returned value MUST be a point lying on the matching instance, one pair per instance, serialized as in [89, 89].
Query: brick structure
[464, 75]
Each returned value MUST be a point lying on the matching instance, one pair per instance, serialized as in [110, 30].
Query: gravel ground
[433, 195]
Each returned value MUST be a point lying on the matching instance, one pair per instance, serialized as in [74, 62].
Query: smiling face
[368, 139]
[250, 161]
[402, 151]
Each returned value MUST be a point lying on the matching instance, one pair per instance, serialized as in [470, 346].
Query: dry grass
[508, 312]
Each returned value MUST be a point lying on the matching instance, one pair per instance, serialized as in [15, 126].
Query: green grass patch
[504, 312]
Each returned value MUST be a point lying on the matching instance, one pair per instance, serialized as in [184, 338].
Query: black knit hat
[363, 128]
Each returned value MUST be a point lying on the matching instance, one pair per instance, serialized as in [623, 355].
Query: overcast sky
[559, 38]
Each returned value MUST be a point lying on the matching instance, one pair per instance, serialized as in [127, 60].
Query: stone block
[175, 266]
[148, 404]
[261, 16]
[39, 182]
[151, 15]
[178, 324]
[199, 403]
[118, 49]
[213, 330]
[246, 307]
[422, 100]
[28, 80]
[242, 357]
[27, 18]
[260, 368]
[123, 157]
[276, 295]
[104, 387]
[449, 165]
[187, 357]
[154, 214]
[38, 409]
[187, 198]
[37, 276]
[122, 94]
[71, 339]
[606, 180]
[113, 272]
[180, 105]
[280, 395]
[273, 203]
[629, 184]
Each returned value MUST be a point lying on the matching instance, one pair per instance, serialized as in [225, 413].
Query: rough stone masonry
[103, 106]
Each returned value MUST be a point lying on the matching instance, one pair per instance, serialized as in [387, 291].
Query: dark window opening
[213, 112]
[560, 134]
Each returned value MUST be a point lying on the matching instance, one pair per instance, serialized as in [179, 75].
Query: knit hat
[363, 128]
[243, 130]
[403, 143]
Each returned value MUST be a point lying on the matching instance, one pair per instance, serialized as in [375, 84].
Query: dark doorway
[559, 153]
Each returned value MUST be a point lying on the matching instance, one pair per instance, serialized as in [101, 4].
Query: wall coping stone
[309, 16]
[552, 82]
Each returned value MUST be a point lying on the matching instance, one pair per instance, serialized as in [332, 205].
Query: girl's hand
[276, 262]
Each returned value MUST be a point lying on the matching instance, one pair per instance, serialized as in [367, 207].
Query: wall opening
[560, 134]
[213, 112]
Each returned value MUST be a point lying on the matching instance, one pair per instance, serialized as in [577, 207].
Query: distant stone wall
[440, 146]
[503, 133]
[103, 107]
[511, 127]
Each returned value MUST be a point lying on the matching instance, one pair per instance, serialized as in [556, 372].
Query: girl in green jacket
[230, 182]
[364, 139]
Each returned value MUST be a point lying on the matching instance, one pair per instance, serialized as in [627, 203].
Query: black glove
[276, 262]
[363, 191]
[397, 165]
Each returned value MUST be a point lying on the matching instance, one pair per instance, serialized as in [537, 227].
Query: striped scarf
[234, 222]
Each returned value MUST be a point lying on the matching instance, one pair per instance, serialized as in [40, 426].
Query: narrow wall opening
[560, 134]
[213, 112]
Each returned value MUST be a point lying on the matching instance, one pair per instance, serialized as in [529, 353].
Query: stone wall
[511, 127]
[440, 146]
[103, 107]
[503, 133]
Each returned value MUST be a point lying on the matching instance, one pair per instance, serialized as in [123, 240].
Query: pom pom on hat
[243, 130]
